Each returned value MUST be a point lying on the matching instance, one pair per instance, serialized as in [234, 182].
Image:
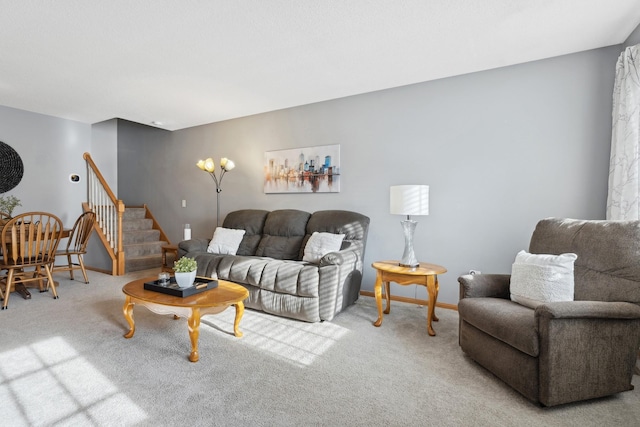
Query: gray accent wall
[104, 151]
[500, 150]
[634, 37]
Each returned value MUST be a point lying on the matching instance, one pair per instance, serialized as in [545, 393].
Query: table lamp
[409, 200]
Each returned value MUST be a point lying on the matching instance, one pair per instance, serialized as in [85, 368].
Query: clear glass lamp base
[408, 257]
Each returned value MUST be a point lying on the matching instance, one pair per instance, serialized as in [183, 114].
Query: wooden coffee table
[192, 307]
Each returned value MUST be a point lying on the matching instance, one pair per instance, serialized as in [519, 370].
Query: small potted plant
[8, 204]
[185, 271]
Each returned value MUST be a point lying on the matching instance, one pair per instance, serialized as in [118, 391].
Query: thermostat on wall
[74, 177]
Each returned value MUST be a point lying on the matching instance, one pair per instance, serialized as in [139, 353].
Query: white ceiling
[192, 62]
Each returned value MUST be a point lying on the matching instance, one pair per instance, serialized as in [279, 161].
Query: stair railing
[109, 211]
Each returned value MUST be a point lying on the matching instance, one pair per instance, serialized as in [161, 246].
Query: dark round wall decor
[11, 168]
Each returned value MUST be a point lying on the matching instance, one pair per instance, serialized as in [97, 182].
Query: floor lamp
[209, 166]
[409, 200]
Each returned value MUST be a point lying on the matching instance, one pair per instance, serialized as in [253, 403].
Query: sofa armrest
[484, 285]
[588, 349]
[193, 245]
[588, 310]
[339, 258]
[340, 278]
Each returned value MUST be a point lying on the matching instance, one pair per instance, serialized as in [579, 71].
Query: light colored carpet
[65, 362]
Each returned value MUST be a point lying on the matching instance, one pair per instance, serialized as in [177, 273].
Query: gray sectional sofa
[269, 262]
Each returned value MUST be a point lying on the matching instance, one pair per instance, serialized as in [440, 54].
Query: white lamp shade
[409, 200]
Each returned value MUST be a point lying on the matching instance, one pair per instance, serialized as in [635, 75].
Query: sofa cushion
[250, 220]
[285, 277]
[353, 225]
[283, 233]
[321, 244]
[225, 241]
[511, 323]
[540, 278]
[295, 307]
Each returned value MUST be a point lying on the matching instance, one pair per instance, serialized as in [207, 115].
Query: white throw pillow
[537, 279]
[225, 241]
[320, 244]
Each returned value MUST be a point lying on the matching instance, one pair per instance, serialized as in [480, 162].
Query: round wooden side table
[425, 274]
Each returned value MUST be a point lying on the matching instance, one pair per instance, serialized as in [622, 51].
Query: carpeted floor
[65, 362]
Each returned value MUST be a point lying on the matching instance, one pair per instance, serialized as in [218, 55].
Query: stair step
[143, 263]
[140, 236]
[134, 213]
[141, 242]
[137, 224]
[142, 249]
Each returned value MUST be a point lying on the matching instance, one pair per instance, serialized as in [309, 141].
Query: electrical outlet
[184, 203]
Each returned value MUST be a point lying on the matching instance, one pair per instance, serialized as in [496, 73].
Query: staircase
[140, 241]
[131, 236]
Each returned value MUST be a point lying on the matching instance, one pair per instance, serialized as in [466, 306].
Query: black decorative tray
[201, 284]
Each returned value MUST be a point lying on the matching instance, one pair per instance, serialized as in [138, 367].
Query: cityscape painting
[303, 170]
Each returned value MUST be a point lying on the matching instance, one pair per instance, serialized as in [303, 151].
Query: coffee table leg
[194, 332]
[128, 314]
[236, 324]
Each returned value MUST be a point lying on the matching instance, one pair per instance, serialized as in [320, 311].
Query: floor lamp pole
[218, 191]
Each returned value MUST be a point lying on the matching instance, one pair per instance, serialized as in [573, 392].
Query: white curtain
[623, 201]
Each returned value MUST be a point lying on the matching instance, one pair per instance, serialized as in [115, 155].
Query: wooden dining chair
[29, 242]
[77, 245]
[4, 218]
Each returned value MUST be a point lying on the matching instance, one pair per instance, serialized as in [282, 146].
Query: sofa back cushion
[250, 220]
[352, 224]
[283, 233]
[608, 263]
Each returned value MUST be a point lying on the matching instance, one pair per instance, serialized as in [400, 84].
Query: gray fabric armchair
[564, 351]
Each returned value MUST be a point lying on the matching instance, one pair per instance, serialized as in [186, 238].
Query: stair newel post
[120, 254]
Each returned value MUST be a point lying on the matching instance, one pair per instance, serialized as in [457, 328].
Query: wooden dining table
[66, 232]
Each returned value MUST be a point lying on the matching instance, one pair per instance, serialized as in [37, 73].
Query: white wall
[51, 149]
[500, 149]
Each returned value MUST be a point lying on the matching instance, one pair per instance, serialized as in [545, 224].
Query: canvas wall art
[303, 170]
